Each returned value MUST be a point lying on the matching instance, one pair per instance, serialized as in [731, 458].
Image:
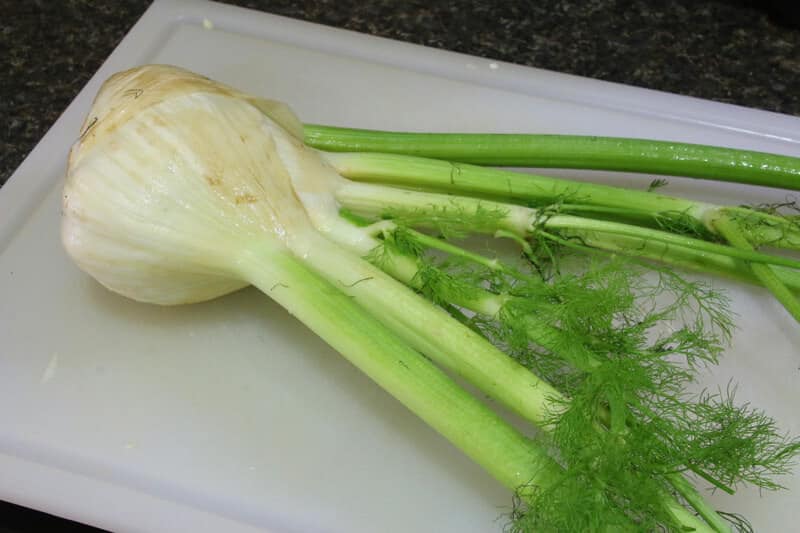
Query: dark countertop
[725, 50]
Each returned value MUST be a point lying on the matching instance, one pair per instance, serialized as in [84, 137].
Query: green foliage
[624, 343]
[683, 223]
[657, 183]
[768, 225]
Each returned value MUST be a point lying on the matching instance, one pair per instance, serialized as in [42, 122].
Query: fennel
[181, 189]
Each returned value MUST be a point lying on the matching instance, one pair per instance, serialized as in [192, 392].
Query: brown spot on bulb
[245, 199]
[214, 181]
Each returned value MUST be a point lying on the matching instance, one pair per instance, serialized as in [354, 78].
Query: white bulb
[173, 178]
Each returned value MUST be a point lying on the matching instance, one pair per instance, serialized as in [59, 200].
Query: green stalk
[571, 196]
[698, 503]
[731, 231]
[570, 151]
[685, 258]
[573, 223]
[433, 332]
[469, 179]
[377, 201]
[513, 459]
[679, 256]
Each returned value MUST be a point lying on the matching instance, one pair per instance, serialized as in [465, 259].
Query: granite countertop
[724, 50]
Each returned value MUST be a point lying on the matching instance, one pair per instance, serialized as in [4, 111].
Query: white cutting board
[229, 415]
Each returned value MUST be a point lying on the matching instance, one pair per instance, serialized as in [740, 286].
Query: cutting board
[231, 416]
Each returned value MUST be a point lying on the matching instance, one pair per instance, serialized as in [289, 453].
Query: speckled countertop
[727, 51]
